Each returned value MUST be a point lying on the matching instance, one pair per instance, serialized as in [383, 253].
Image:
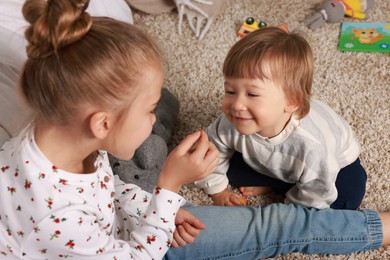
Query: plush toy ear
[99, 124]
[334, 11]
[315, 21]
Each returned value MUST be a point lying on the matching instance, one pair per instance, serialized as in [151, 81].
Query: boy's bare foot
[385, 218]
[254, 191]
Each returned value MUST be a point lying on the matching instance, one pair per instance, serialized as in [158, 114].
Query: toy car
[251, 25]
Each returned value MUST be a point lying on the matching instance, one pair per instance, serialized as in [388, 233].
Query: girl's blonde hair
[75, 60]
[272, 53]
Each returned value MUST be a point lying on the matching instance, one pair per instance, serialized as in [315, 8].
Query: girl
[93, 83]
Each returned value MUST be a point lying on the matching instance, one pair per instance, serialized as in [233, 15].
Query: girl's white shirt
[48, 213]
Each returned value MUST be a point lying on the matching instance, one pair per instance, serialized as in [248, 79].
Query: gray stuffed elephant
[143, 169]
[333, 12]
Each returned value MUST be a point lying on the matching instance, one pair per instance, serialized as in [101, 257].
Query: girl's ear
[99, 124]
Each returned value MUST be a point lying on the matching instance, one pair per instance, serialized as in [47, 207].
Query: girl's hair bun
[54, 24]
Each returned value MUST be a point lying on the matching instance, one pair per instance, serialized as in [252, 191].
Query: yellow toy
[333, 11]
[243, 201]
[251, 25]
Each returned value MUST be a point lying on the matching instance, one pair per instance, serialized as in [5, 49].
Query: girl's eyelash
[249, 94]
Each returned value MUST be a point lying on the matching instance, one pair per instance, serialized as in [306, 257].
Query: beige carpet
[356, 85]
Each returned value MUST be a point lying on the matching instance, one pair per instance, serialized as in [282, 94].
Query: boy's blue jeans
[350, 182]
[278, 229]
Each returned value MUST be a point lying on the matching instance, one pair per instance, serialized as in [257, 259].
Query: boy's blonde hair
[75, 60]
[272, 53]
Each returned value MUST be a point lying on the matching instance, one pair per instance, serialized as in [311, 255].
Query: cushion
[14, 113]
[152, 6]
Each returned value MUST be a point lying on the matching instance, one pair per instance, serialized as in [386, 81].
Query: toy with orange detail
[250, 25]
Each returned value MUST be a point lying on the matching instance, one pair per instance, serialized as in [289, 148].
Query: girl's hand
[187, 228]
[193, 159]
[228, 198]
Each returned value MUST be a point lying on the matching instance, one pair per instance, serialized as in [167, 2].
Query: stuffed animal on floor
[200, 14]
[144, 168]
[333, 11]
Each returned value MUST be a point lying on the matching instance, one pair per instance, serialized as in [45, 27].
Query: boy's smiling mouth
[240, 117]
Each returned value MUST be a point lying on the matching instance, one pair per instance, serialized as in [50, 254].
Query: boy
[273, 135]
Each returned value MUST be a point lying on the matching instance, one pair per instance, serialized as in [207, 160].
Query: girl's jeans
[279, 229]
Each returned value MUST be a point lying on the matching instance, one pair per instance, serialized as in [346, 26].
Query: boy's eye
[229, 92]
[253, 95]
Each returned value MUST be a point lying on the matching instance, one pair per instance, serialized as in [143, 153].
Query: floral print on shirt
[48, 213]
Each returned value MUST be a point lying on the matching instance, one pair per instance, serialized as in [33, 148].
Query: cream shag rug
[356, 85]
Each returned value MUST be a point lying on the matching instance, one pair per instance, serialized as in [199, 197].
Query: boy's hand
[187, 228]
[228, 198]
[193, 159]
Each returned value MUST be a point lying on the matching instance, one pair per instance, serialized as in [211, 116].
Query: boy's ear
[291, 106]
[100, 124]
